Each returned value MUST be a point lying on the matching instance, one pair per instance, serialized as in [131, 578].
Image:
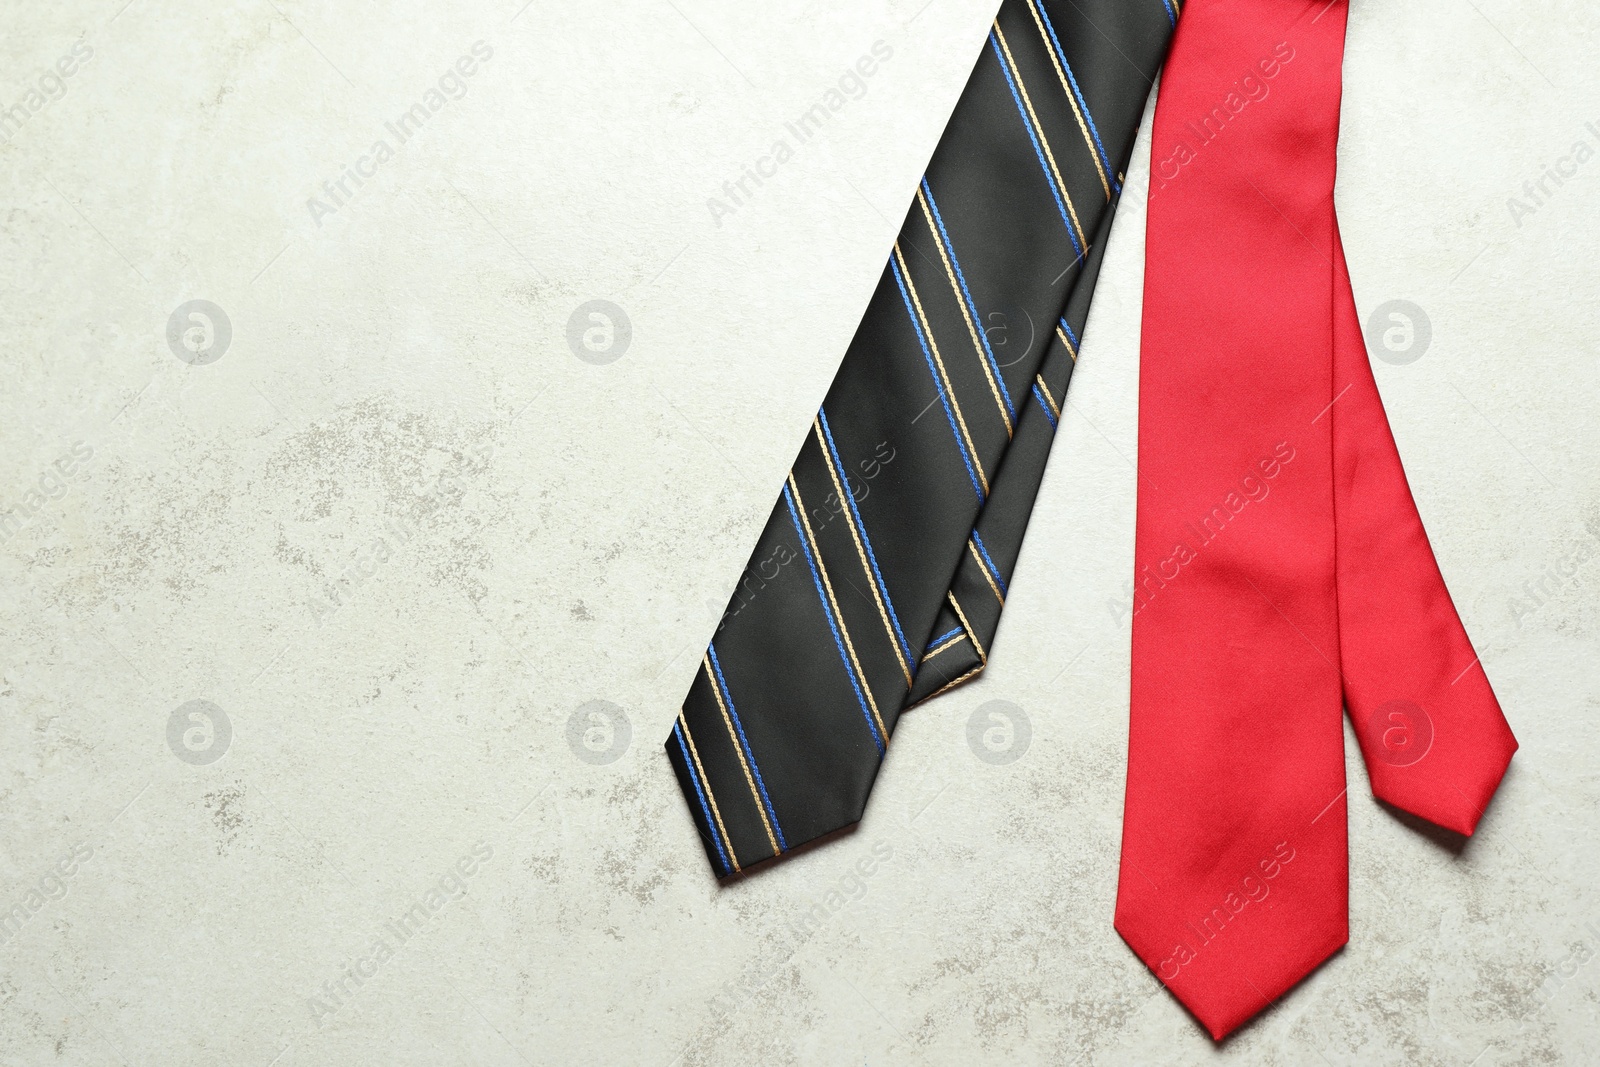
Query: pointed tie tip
[1457, 806]
[1222, 1008]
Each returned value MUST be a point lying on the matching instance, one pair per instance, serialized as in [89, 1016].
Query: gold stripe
[955, 287]
[1070, 350]
[944, 688]
[1088, 139]
[967, 626]
[927, 330]
[739, 749]
[1055, 409]
[954, 682]
[971, 634]
[956, 640]
[843, 629]
[985, 569]
[695, 753]
[1045, 141]
[866, 567]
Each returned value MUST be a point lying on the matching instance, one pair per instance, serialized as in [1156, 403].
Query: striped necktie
[879, 578]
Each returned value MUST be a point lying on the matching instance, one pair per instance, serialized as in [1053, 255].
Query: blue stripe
[942, 638]
[1171, 15]
[1047, 413]
[883, 587]
[1082, 103]
[1071, 336]
[838, 643]
[722, 683]
[716, 839]
[977, 540]
[1037, 151]
[977, 487]
[973, 307]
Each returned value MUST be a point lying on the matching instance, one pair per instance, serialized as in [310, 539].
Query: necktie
[879, 578]
[1281, 567]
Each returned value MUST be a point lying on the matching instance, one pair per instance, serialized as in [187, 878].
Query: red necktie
[1281, 567]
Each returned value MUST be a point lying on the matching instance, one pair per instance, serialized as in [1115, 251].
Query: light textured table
[399, 537]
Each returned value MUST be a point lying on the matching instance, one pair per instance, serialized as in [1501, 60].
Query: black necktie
[880, 576]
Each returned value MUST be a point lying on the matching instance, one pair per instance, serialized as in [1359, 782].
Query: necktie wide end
[1237, 990]
[690, 782]
[730, 801]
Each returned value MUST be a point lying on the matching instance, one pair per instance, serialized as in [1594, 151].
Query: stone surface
[398, 534]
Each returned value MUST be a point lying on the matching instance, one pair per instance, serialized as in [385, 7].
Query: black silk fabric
[880, 577]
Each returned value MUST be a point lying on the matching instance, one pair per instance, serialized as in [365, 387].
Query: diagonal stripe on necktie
[880, 576]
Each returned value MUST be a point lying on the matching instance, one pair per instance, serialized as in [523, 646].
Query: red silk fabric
[1282, 571]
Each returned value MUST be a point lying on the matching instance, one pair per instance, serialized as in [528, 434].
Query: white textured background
[572, 530]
